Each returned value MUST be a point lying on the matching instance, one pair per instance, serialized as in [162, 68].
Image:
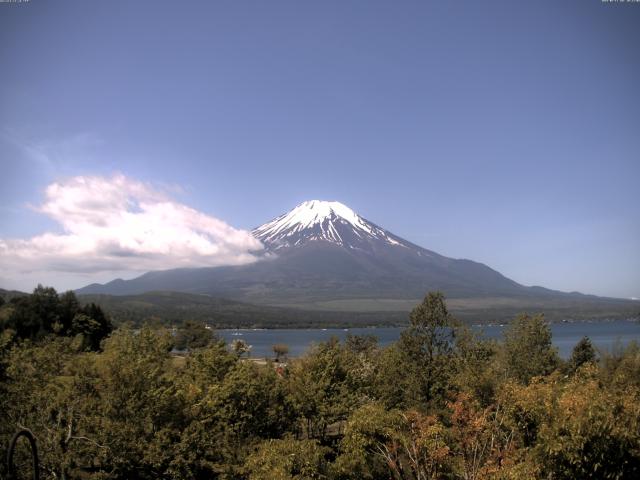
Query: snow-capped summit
[317, 220]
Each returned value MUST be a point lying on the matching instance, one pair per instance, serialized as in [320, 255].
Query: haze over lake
[604, 336]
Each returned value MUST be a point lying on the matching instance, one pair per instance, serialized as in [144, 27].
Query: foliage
[621, 366]
[410, 444]
[45, 312]
[582, 353]
[591, 433]
[193, 335]
[577, 428]
[280, 350]
[440, 403]
[288, 459]
[475, 368]
[528, 351]
[396, 379]
[427, 347]
[321, 388]
[240, 347]
[481, 442]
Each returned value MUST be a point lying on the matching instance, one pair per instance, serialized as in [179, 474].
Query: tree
[397, 380]
[360, 343]
[475, 369]
[44, 312]
[410, 444]
[44, 302]
[528, 351]
[240, 347]
[60, 408]
[575, 428]
[206, 368]
[103, 326]
[280, 350]
[323, 389]
[92, 324]
[479, 442]
[427, 345]
[366, 432]
[620, 367]
[193, 335]
[139, 409]
[288, 459]
[582, 353]
[228, 419]
[68, 307]
[37, 315]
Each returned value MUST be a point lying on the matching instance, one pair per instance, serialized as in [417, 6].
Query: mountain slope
[172, 308]
[324, 251]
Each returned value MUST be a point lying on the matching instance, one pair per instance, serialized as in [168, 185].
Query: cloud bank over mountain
[119, 224]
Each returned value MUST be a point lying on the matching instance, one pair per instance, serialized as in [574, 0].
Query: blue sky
[505, 132]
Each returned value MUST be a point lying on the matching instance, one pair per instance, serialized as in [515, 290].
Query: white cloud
[121, 225]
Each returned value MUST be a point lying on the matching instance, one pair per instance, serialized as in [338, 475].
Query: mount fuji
[323, 254]
[330, 222]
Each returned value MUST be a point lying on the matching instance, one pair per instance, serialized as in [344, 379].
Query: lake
[603, 335]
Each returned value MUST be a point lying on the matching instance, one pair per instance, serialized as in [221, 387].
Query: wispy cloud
[52, 154]
[119, 224]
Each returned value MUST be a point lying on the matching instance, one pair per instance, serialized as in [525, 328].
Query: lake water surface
[603, 335]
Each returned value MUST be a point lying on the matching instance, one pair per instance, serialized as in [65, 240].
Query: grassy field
[489, 309]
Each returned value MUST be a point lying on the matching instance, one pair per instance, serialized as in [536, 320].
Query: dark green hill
[172, 308]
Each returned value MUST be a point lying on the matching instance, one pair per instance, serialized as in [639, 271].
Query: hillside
[171, 308]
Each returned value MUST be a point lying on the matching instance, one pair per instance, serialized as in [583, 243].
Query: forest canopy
[441, 403]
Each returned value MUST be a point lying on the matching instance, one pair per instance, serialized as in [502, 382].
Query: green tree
[199, 452]
[229, 418]
[44, 312]
[45, 304]
[68, 307]
[361, 449]
[620, 367]
[527, 350]
[474, 365]
[92, 328]
[288, 459]
[193, 335]
[207, 367]
[592, 433]
[99, 328]
[35, 316]
[48, 392]
[361, 343]
[140, 411]
[582, 353]
[397, 380]
[322, 388]
[575, 428]
[428, 346]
